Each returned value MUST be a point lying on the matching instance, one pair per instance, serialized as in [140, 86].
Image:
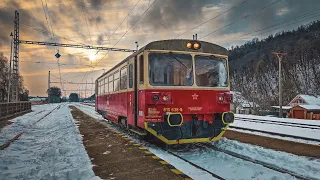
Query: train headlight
[189, 45]
[165, 98]
[196, 46]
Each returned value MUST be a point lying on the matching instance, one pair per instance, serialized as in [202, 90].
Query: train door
[140, 90]
[135, 106]
[132, 89]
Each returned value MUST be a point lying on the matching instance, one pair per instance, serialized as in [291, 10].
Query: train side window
[123, 78]
[130, 76]
[98, 87]
[105, 84]
[116, 81]
[111, 83]
[141, 69]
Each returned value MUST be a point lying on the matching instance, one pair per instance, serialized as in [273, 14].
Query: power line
[243, 17]
[85, 18]
[128, 30]
[50, 23]
[199, 25]
[120, 23]
[61, 64]
[75, 46]
[83, 75]
[305, 15]
[87, 73]
[48, 33]
[58, 60]
[282, 41]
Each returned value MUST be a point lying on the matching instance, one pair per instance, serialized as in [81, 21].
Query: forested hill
[254, 70]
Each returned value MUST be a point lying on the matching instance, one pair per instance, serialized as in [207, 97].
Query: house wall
[301, 113]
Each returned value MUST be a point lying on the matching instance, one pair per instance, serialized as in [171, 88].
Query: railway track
[255, 161]
[234, 154]
[193, 164]
[274, 133]
[5, 145]
[282, 123]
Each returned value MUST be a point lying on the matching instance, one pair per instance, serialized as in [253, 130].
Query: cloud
[282, 11]
[7, 18]
[167, 14]
[96, 4]
[100, 39]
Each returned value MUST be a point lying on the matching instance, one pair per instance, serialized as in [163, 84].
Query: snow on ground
[90, 110]
[221, 164]
[276, 137]
[295, 131]
[25, 121]
[303, 121]
[230, 167]
[299, 164]
[50, 149]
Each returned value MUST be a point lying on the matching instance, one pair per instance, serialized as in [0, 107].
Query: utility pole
[49, 97]
[9, 73]
[92, 87]
[49, 80]
[85, 92]
[279, 57]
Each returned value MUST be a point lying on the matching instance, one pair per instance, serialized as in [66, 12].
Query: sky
[120, 23]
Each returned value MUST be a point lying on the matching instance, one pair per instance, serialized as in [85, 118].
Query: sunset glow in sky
[120, 23]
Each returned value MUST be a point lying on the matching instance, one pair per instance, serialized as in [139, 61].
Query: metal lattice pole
[15, 59]
[9, 72]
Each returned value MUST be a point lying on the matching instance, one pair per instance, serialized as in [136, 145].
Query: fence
[14, 108]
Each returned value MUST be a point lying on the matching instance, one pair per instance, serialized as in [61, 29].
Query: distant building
[305, 99]
[305, 107]
[241, 105]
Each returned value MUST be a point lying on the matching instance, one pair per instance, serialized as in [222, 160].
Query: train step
[139, 132]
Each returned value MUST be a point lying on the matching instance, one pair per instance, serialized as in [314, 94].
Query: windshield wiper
[170, 53]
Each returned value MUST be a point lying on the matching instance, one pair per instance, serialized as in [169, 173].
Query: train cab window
[123, 78]
[116, 81]
[168, 69]
[141, 69]
[211, 71]
[130, 76]
[111, 83]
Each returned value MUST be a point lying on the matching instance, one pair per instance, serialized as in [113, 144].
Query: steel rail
[193, 164]
[274, 133]
[255, 161]
[5, 145]
[293, 124]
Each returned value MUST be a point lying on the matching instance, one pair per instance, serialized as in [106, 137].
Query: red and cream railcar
[175, 90]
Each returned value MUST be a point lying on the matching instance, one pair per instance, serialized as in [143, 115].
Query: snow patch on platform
[50, 149]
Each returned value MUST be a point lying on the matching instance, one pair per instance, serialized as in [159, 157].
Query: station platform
[116, 156]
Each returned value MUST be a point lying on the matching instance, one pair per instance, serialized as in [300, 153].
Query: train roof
[176, 45]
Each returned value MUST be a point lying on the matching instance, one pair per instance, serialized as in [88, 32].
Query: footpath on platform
[115, 156]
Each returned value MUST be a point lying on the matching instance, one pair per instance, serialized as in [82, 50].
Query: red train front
[176, 90]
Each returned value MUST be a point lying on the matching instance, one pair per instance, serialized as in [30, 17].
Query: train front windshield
[169, 69]
[211, 71]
